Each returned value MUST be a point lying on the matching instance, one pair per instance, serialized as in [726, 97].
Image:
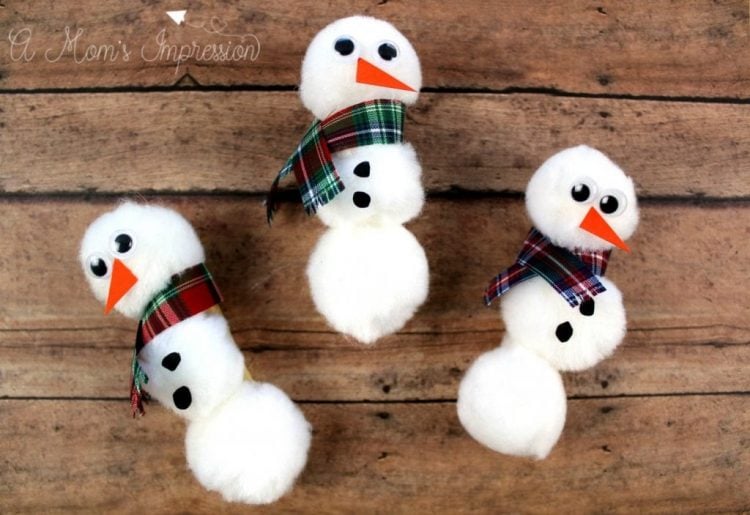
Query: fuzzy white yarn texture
[246, 440]
[512, 399]
[252, 447]
[329, 76]
[513, 402]
[367, 274]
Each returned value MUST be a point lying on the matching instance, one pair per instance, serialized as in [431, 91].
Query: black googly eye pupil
[387, 51]
[123, 243]
[580, 192]
[98, 267]
[344, 46]
[609, 204]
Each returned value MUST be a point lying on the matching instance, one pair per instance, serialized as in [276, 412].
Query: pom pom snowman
[245, 439]
[560, 313]
[367, 274]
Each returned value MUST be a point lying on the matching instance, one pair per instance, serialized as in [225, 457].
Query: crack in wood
[445, 400]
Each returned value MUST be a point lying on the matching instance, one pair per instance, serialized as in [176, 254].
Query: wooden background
[662, 87]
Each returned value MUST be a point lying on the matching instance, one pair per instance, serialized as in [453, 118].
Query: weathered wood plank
[690, 48]
[421, 367]
[467, 241]
[675, 454]
[237, 141]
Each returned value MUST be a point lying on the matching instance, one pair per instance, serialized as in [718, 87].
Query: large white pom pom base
[251, 448]
[513, 402]
[368, 280]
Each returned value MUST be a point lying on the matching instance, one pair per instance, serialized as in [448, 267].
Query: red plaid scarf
[368, 123]
[572, 274]
[188, 293]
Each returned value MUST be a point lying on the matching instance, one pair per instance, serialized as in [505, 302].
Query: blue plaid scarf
[572, 275]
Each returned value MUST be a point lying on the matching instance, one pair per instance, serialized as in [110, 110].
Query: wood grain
[662, 87]
[237, 141]
[691, 48]
[261, 269]
[422, 367]
[677, 343]
[676, 454]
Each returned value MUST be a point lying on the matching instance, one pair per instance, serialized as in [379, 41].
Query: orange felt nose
[122, 280]
[594, 223]
[368, 73]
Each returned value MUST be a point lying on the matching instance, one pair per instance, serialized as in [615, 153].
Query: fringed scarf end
[137, 396]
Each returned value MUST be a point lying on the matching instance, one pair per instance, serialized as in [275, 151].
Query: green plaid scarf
[190, 292]
[369, 123]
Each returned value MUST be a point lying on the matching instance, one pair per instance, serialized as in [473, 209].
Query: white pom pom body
[568, 338]
[368, 280]
[390, 178]
[193, 366]
[513, 402]
[251, 448]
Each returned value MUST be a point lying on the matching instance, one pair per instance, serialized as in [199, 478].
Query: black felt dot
[182, 398]
[564, 332]
[362, 169]
[361, 199]
[171, 361]
[587, 307]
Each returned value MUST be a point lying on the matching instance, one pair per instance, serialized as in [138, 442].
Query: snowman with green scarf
[367, 274]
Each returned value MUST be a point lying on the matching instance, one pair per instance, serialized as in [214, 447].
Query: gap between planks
[289, 197]
[125, 400]
[513, 90]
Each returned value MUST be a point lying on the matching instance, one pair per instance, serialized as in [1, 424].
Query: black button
[182, 397]
[587, 307]
[362, 169]
[564, 332]
[361, 199]
[171, 361]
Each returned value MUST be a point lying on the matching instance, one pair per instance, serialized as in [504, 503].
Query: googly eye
[122, 243]
[583, 190]
[344, 45]
[97, 266]
[612, 202]
[387, 51]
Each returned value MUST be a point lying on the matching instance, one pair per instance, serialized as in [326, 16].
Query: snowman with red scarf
[245, 439]
[560, 313]
[367, 273]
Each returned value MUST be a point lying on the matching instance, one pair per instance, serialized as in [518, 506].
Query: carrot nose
[594, 223]
[122, 280]
[368, 73]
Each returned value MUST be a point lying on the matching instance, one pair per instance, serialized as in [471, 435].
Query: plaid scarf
[190, 292]
[572, 274]
[369, 123]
